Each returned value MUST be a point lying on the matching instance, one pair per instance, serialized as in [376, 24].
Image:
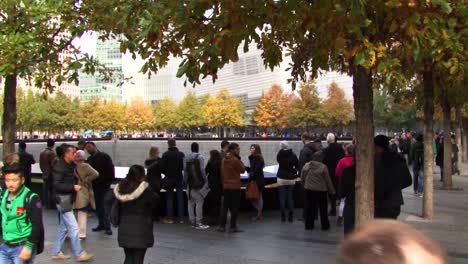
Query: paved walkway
[274, 242]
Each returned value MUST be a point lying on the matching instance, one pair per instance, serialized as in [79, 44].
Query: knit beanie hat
[284, 145]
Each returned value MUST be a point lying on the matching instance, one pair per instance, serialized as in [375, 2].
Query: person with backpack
[21, 219]
[197, 186]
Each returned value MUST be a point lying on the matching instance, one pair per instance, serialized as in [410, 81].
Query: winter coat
[153, 174]
[288, 163]
[332, 154]
[86, 175]
[231, 169]
[135, 217]
[314, 177]
[172, 165]
[306, 154]
[46, 162]
[342, 164]
[347, 188]
[256, 171]
[440, 156]
[64, 179]
[418, 155]
[103, 164]
[215, 180]
[391, 175]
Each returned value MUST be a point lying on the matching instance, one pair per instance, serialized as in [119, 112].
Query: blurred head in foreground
[389, 242]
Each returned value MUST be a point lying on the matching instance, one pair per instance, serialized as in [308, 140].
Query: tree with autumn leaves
[272, 109]
[338, 109]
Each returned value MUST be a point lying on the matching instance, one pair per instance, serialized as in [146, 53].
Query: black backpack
[195, 178]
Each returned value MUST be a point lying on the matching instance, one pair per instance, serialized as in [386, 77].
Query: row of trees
[276, 109]
[404, 44]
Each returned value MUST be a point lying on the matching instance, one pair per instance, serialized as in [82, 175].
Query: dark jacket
[440, 155]
[213, 172]
[256, 171]
[306, 154]
[314, 177]
[64, 178]
[391, 175]
[418, 155]
[153, 174]
[103, 164]
[135, 217]
[46, 162]
[26, 160]
[288, 164]
[332, 155]
[346, 188]
[172, 165]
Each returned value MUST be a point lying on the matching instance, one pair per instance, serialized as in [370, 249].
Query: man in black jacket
[332, 155]
[101, 162]
[26, 160]
[391, 175]
[172, 165]
[307, 151]
[66, 186]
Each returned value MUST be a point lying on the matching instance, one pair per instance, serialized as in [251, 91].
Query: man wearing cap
[391, 175]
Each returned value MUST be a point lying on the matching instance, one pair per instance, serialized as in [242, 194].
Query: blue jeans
[286, 197]
[11, 255]
[180, 201]
[420, 181]
[68, 225]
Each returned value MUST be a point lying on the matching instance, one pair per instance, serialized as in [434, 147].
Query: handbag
[64, 203]
[252, 192]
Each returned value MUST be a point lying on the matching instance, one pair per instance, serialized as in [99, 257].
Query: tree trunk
[464, 147]
[447, 141]
[363, 107]
[428, 200]
[9, 115]
[458, 133]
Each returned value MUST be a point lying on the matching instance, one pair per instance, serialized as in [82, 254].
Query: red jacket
[343, 163]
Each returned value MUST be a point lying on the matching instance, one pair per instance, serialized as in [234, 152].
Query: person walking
[172, 165]
[21, 219]
[215, 183]
[286, 179]
[231, 168]
[47, 159]
[440, 157]
[84, 202]
[197, 186]
[255, 170]
[317, 183]
[65, 188]
[345, 162]
[333, 153]
[136, 202]
[391, 175]
[26, 160]
[103, 164]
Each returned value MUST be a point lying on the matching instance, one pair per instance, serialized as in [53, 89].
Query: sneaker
[420, 194]
[84, 257]
[235, 230]
[168, 221]
[60, 256]
[201, 227]
[181, 221]
[221, 229]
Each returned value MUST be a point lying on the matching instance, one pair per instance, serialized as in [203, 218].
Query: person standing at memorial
[332, 155]
[172, 166]
[66, 186]
[152, 164]
[255, 170]
[317, 184]
[103, 164]
[215, 182]
[26, 160]
[231, 168]
[136, 202]
[286, 179]
[84, 202]
[47, 159]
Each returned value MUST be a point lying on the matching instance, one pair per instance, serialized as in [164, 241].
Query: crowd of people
[76, 186]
